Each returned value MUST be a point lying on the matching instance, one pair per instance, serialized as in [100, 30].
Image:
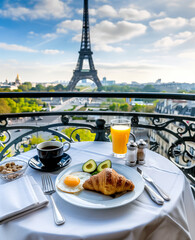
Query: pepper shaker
[131, 154]
[141, 152]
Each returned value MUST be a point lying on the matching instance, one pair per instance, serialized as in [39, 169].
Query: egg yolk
[72, 181]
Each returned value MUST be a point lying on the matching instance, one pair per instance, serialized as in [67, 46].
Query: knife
[153, 195]
[150, 180]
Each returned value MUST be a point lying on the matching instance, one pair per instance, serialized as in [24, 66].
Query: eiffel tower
[85, 53]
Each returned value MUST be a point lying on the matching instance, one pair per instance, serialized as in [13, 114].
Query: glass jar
[141, 152]
[131, 154]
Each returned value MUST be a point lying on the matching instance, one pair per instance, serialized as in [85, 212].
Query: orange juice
[120, 137]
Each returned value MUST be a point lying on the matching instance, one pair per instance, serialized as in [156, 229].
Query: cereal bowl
[12, 169]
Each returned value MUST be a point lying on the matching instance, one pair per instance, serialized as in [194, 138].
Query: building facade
[165, 139]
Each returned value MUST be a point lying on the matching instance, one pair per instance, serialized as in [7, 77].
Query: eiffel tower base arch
[78, 75]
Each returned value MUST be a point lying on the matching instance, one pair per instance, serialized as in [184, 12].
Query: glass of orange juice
[120, 131]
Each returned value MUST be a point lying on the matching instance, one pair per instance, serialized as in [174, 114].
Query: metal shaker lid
[131, 145]
[142, 144]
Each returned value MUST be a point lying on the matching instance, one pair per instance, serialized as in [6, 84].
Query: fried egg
[73, 182]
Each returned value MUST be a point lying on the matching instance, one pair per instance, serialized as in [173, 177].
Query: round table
[140, 219]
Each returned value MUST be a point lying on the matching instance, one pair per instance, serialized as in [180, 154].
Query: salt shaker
[141, 152]
[131, 154]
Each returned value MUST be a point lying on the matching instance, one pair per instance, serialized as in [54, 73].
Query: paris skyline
[131, 41]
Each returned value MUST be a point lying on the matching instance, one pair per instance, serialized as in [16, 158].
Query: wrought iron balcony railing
[180, 127]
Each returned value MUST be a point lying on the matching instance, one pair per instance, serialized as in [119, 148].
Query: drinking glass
[120, 131]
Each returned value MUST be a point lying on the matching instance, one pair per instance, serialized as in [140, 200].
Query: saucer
[35, 163]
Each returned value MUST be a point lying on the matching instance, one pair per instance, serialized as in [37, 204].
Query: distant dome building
[18, 80]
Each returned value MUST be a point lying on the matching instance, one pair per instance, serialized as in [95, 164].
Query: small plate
[35, 163]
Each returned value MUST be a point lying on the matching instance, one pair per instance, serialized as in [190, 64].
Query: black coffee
[49, 148]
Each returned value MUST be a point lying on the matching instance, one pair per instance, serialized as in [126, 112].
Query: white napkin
[20, 197]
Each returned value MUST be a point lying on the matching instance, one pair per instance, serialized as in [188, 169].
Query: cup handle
[68, 146]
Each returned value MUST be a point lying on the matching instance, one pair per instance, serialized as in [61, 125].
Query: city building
[12, 85]
[18, 80]
[106, 82]
[165, 139]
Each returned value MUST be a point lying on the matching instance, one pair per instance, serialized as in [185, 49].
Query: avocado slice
[105, 164]
[89, 166]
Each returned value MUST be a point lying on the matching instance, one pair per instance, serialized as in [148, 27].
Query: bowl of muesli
[12, 169]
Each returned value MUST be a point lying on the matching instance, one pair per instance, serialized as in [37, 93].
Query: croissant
[108, 182]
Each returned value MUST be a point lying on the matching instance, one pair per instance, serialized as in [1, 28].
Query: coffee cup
[51, 152]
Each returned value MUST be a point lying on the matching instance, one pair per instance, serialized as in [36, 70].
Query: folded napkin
[20, 197]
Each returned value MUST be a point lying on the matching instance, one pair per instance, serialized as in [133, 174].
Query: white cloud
[108, 32]
[107, 48]
[45, 9]
[15, 47]
[161, 14]
[104, 1]
[105, 33]
[92, 11]
[20, 48]
[36, 71]
[168, 42]
[49, 35]
[134, 14]
[14, 13]
[147, 50]
[52, 51]
[93, 20]
[75, 25]
[173, 40]
[131, 13]
[174, 3]
[32, 34]
[188, 54]
[192, 22]
[165, 23]
[185, 35]
[192, 4]
[133, 65]
[106, 11]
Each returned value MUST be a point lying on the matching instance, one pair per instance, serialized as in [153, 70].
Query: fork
[49, 189]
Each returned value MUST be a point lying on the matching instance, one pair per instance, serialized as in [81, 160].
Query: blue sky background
[131, 40]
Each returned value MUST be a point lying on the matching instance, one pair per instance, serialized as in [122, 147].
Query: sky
[138, 41]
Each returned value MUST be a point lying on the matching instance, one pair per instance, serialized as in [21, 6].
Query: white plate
[94, 200]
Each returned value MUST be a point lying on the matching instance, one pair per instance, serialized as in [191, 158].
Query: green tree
[33, 141]
[117, 100]
[118, 106]
[4, 106]
[59, 87]
[26, 86]
[50, 88]
[124, 107]
[40, 87]
[182, 91]
[84, 134]
[138, 108]
[149, 108]
[112, 107]
[149, 88]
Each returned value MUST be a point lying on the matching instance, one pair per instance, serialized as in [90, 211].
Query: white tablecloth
[141, 219]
